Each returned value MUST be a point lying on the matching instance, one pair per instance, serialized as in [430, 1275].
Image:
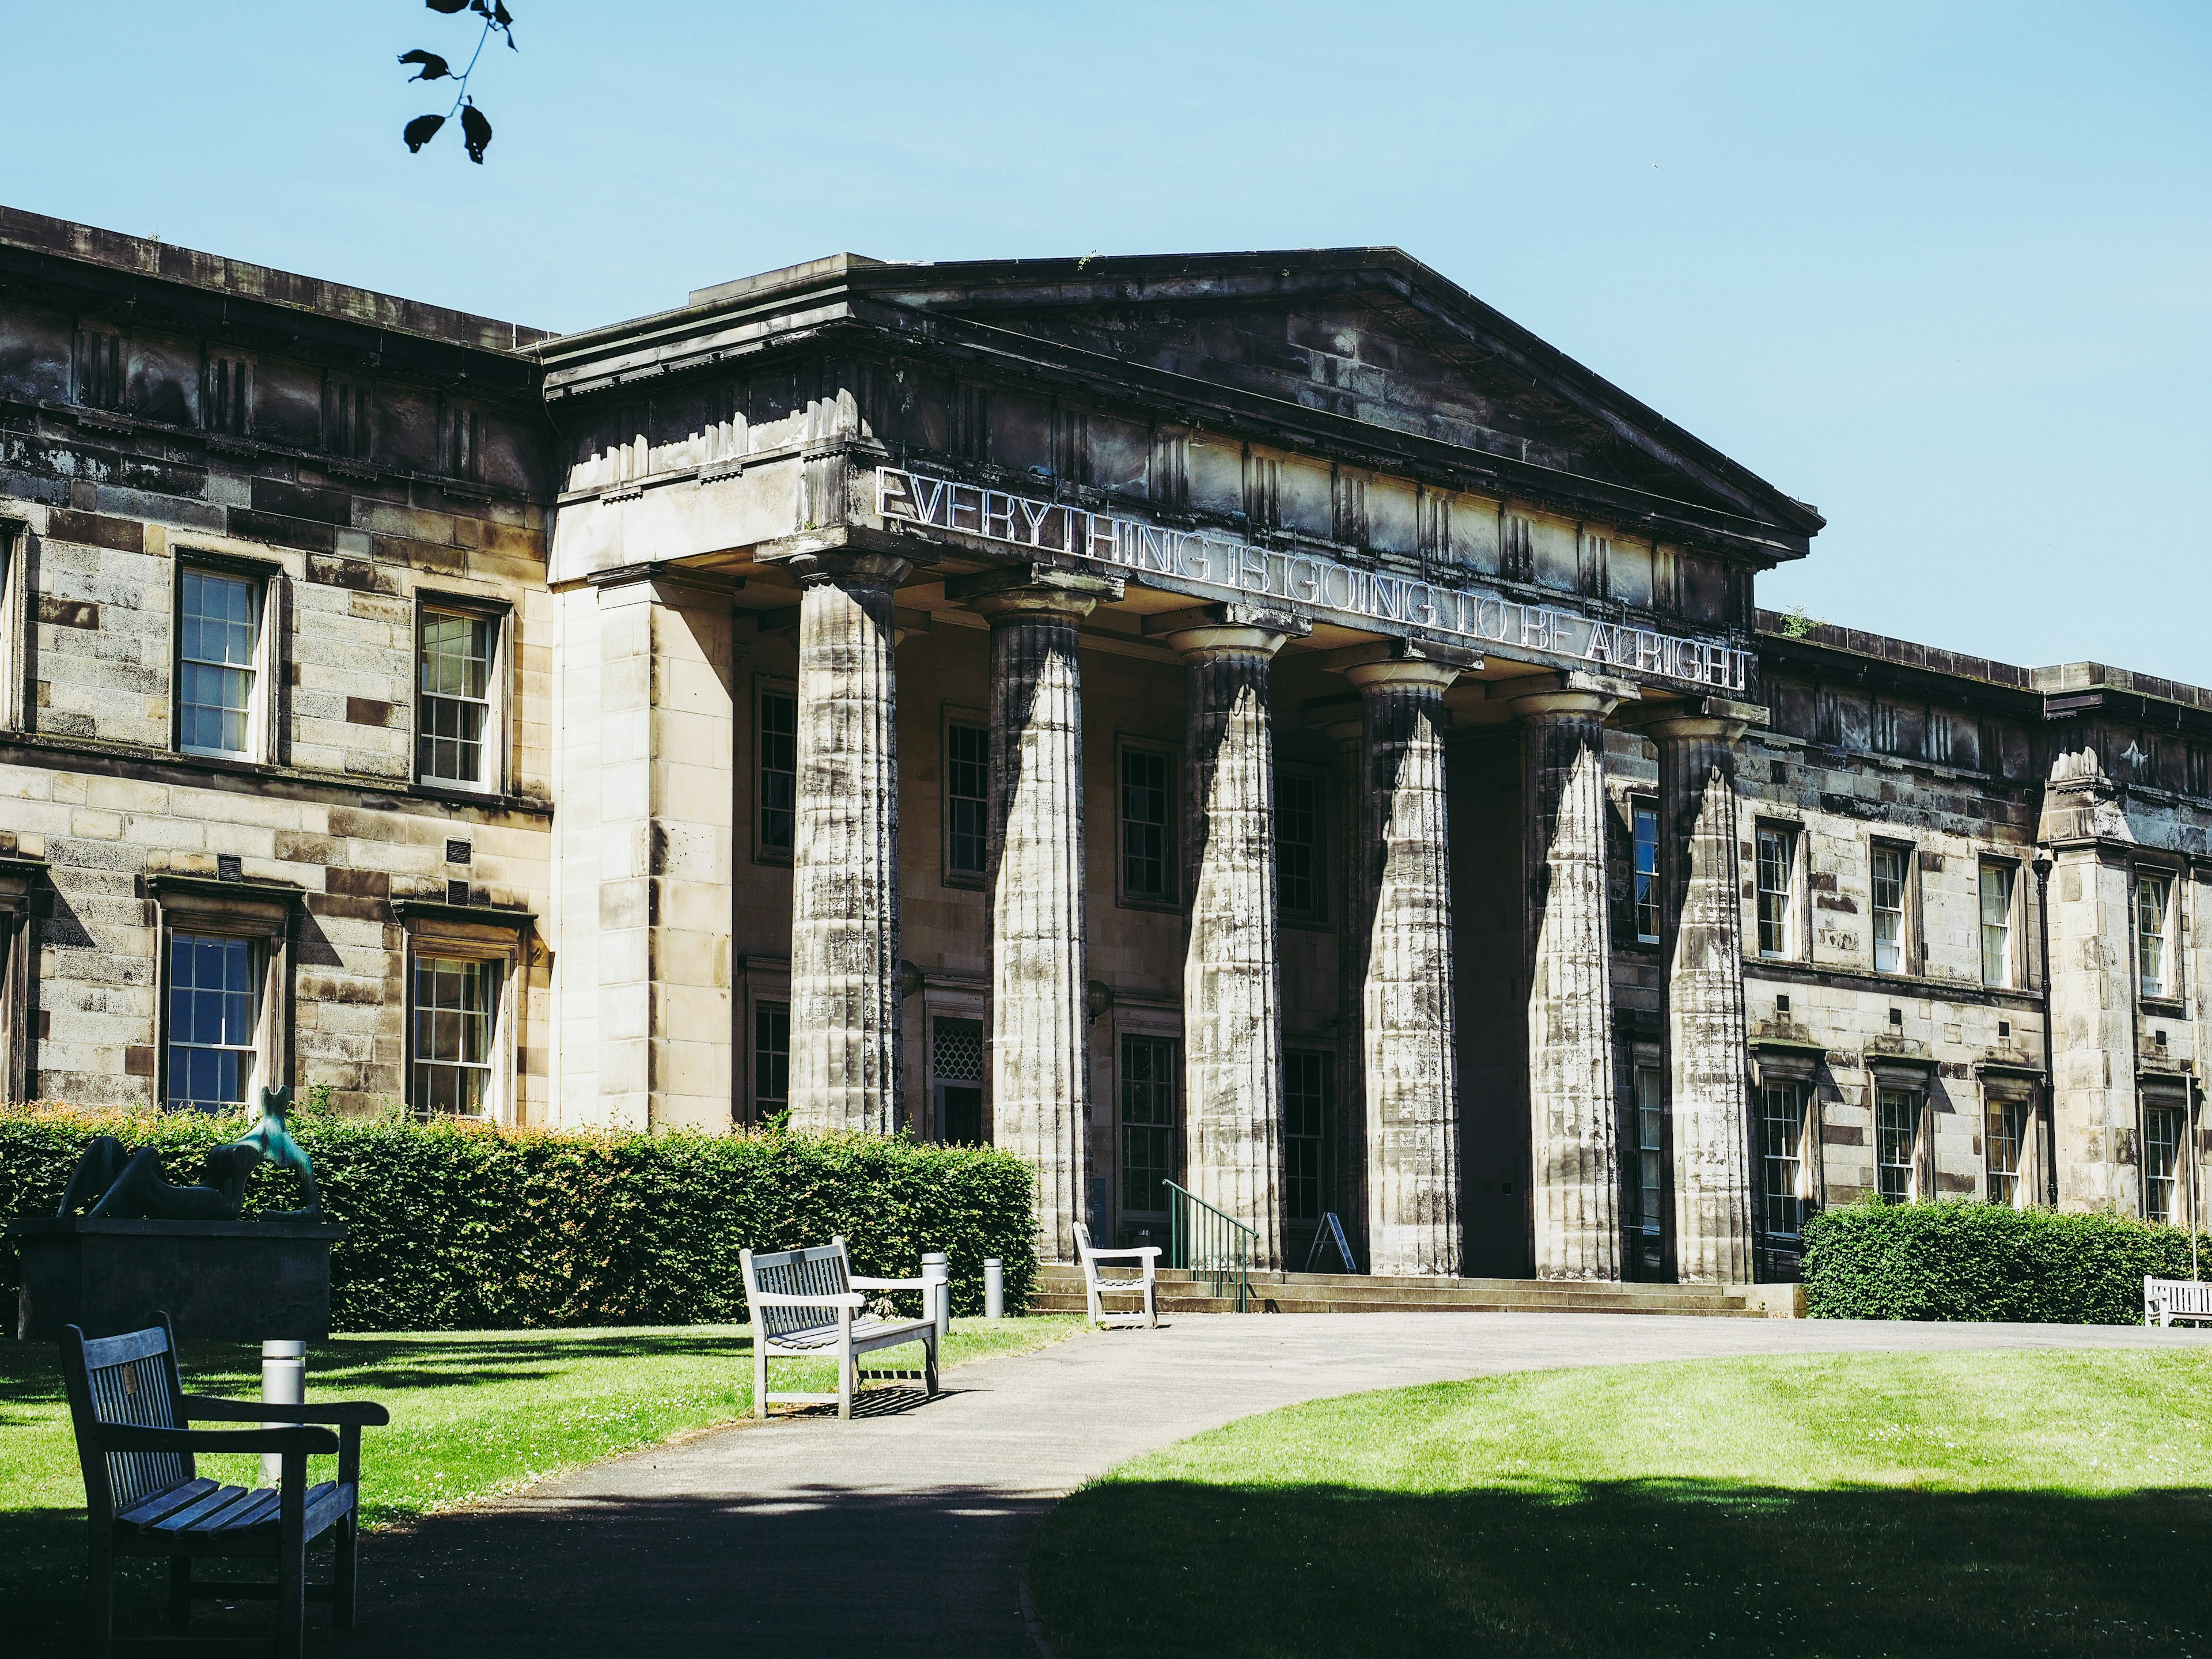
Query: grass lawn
[473, 1413]
[1952, 1504]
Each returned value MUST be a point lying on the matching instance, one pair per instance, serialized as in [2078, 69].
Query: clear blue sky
[1944, 271]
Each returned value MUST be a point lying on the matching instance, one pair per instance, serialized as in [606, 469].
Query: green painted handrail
[1211, 1243]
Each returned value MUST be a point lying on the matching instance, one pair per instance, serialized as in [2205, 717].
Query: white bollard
[994, 1288]
[283, 1382]
[936, 1268]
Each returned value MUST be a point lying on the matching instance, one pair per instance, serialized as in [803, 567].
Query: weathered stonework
[1232, 1030]
[1575, 1160]
[845, 1018]
[1411, 1091]
[1701, 941]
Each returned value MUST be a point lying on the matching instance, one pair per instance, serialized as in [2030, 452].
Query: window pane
[1776, 852]
[1148, 1122]
[456, 1002]
[1782, 1131]
[2003, 1137]
[1144, 825]
[211, 997]
[1897, 1135]
[2150, 934]
[771, 1056]
[1996, 924]
[2161, 1159]
[967, 795]
[217, 628]
[454, 679]
[1308, 1082]
[1889, 875]
[1646, 825]
[779, 771]
[1650, 1147]
[1298, 846]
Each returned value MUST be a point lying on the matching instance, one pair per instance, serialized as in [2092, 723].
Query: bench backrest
[1083, 1246]
[819, 1270]
[2180, 1295]
[130, 1379]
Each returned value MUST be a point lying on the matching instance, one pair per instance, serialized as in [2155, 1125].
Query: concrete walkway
[902, 1532]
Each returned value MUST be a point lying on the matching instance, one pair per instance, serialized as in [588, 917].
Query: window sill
[2163, 1008]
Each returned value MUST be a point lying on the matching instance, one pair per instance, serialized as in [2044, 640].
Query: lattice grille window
[957, 1051]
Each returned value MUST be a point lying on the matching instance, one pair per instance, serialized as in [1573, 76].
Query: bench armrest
[774, 1299]
[859, 1284]
[1119, 1255]
[128, 1436]
[215, 1408]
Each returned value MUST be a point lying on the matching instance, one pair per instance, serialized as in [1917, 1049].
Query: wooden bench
[1096, 1285]
[808, 1304]
[2166, 1300]
[143, 1496]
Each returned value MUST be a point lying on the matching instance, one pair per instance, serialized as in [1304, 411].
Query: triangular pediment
[1366, 335]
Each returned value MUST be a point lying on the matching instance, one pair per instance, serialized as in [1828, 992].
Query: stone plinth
[1574, 1145]
[1701, 938]
[1404, 903]
[845, 1028]
[219, 1281]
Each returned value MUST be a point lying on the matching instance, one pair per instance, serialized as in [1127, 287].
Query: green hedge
[465, 1226]
[1955, 1260]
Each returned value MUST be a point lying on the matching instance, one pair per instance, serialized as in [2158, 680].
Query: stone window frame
[499, 716]
[1799, 1067]
[765, 686]
[952, 1002]
[2171, 1094]
[949, 716]
[261, 912]
[2168, 999]
[2027, 1093]
[20, 879]
[1320, 917]
[763, 982]
[1157, 1024]
[471, 932]
[1126, 742]
[1912, 926]
[1797, 904]
[1891, 1077]
[266, 735]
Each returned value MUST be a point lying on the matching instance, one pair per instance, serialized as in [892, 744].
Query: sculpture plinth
[223, 1282]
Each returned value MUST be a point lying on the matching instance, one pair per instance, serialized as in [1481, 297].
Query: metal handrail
[1214, 1245]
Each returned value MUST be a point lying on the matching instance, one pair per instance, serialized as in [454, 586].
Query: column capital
[1034, 587]
[1703, 717]
[845, 568]
[1403, 662]
[1227, 628]
[1572, 692]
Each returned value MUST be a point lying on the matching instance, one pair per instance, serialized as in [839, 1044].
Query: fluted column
[1701, 940]
[1411, 1071]
[1575, 1156]
[1039, 1075]
[845, 1035]
[1232, 976]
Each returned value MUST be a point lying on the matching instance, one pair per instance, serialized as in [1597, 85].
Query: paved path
[902, 1532]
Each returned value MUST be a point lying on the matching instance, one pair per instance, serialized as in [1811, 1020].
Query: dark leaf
[435, 68]
[422, 130]
[449, 7]
[500, 16]
[475, 132]
[483, 6]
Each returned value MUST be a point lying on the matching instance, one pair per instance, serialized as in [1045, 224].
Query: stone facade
[1261, 723]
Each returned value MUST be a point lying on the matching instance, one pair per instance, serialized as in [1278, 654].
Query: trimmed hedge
[1951, 1259]
[467, 1226]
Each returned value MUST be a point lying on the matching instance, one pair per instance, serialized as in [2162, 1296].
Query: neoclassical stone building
[1263, 722]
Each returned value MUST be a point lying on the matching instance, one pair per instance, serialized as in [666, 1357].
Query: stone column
[1406, 1020]
[664, 863]
[845, 1018]
[1039, 1071]
[1232, 976]
[1701, 940]
[1575, 1156]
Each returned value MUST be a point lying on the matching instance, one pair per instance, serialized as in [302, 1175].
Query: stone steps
[1059, 1289]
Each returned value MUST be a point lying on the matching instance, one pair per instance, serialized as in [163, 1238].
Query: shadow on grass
[1633, 1568]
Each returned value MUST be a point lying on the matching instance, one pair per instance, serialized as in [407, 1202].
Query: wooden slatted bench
[143, 1495]
[808, 1304]
[2166, 1300]
[1097, 1285]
